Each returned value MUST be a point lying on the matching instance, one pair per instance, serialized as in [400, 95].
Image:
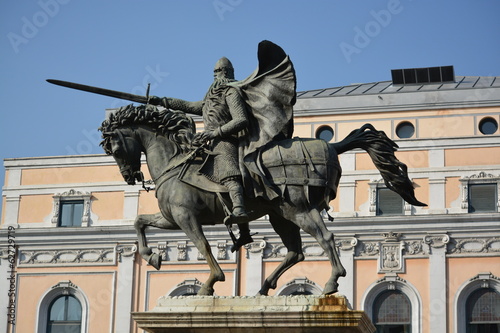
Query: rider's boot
[245, 237]
[239, 214]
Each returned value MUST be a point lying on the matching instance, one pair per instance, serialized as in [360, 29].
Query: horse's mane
[176, 125]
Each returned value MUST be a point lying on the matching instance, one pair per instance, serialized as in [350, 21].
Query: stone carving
[436, 240]
[125, 251]
[70, 257]
[391, 253]
[390, 279]
[221, 250]
[476, 245]
[182, 251]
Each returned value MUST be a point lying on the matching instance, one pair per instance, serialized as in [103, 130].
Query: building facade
[68, 255]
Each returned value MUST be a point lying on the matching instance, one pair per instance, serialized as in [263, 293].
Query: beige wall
[35, 208]
[98, 287]
[108, 205]
[460, 271]
[66, 175]
[472, 156]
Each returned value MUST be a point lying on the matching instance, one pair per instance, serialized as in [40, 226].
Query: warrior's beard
[219, 82]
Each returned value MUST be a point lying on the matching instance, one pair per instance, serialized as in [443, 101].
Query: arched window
[189, 287]
[300, 286]
[393, 305]
[65, 315]
[477, 304]
[63, 308]
[483, 311]
[392, 312]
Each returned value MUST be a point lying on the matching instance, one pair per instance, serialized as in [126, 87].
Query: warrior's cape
[270, 93]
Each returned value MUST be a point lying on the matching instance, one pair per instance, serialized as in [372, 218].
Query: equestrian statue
[244, 164]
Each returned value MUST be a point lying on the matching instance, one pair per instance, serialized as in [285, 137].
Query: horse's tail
[381, 150]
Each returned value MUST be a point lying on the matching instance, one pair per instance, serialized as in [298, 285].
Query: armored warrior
[225, 118]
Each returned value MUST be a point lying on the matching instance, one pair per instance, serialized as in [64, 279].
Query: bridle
[159, 180]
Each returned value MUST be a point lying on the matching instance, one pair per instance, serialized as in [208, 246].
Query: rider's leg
[235, 187]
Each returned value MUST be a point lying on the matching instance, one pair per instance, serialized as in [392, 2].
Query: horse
[165, 137]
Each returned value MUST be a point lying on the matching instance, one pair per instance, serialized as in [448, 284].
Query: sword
[102, 91]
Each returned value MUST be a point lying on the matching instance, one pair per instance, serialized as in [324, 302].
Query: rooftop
[387, 87]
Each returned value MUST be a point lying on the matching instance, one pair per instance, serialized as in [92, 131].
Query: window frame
[68, 196]
[375, 311]
[477, 179]
[62, 288]
[374, 185]
[65, 320]
[481, 280]
[391, 281]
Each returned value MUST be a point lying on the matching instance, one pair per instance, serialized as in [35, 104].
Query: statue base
[263, 314]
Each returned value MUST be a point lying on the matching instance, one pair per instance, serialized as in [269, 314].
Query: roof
[466, 91]
[385, 87]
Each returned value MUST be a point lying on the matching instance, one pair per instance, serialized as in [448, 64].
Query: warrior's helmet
[225, 66]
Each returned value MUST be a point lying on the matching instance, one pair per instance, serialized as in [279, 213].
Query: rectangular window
[389, 202]
[482, 198]
[71, 213]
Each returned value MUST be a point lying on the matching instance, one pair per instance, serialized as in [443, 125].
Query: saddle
[297, 161]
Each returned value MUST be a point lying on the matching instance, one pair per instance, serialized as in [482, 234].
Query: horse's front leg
[192, 227]
[140, 224]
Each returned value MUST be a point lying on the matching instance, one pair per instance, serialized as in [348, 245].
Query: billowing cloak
[270, 93]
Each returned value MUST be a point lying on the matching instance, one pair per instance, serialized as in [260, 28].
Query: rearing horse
[164, 136]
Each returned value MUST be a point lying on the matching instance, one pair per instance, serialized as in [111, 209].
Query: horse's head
[123, 145]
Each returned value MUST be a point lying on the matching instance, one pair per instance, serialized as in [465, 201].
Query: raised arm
[177, 104]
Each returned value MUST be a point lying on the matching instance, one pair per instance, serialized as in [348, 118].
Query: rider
[225, 119]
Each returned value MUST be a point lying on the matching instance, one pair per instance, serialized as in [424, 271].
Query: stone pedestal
[278, 314]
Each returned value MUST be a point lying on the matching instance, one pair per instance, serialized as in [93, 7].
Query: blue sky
[123, 45]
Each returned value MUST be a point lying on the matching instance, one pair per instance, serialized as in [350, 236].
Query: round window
[405, 130]
[325, 133]
[488, 125]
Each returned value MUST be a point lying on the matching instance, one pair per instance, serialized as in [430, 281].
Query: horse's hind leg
[150, 220]
[312, 223]
[290, 235]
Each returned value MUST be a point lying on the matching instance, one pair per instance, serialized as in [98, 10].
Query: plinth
[260, 314]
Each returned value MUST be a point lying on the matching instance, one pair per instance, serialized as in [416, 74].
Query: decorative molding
[65, 286]
[186, 287]
[221, 250]
[125, 251]
[66, 257]
[370, 249]
[485, 279]
[346, 244]
[476, 245]
[260, 246]
[390, 280]
[301, 285]
[162, 250]
[436, 240]
[182, 251]
[414, 248]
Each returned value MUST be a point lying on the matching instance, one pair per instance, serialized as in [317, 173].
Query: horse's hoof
[331, 288]
[262, 293]
[206, 291]
[155, 261]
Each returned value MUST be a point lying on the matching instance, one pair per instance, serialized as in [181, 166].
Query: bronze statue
[290, 180]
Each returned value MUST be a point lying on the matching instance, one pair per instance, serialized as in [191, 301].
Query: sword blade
[101, 91]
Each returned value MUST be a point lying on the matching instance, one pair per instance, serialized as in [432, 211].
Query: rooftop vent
[423, 75]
